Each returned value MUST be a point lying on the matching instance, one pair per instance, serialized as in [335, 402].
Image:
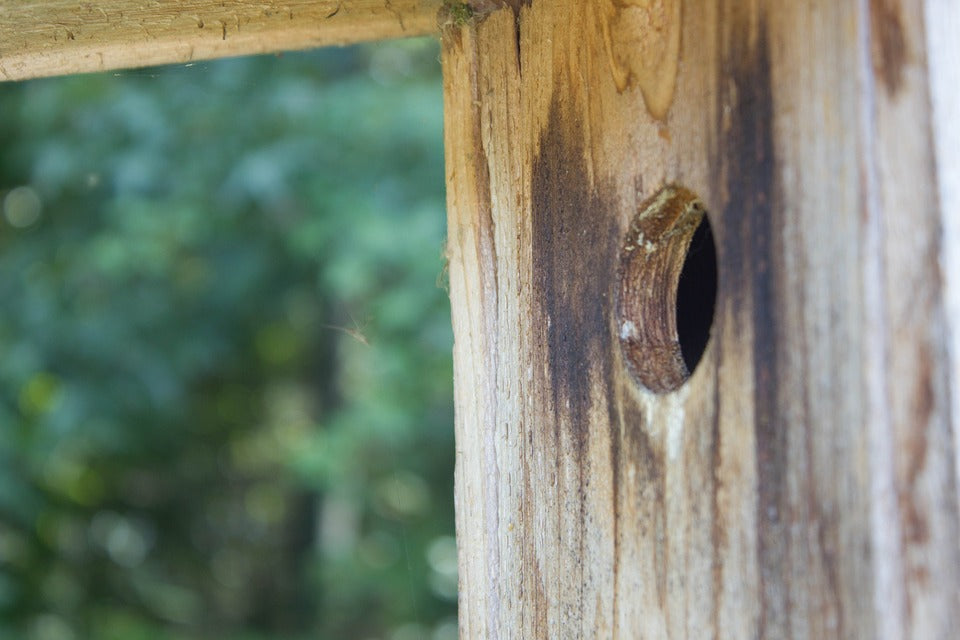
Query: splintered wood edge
[57, 37]
[651, 260]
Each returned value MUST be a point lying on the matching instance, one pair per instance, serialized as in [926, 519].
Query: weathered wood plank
[56, 37]
[943, 53]
[803, 482]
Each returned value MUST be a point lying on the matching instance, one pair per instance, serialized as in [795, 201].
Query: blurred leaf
[225, 396]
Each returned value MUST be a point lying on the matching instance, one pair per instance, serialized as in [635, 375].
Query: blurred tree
[225, 390]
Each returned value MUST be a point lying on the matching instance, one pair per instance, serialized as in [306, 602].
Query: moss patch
[456, 14]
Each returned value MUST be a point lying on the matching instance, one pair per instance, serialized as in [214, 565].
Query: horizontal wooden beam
[57, 37]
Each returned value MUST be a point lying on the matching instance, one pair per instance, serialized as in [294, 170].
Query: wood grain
[56, 37]
[942, 21]
[803, 482]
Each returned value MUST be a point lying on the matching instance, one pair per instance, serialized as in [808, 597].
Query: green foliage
[225, 391]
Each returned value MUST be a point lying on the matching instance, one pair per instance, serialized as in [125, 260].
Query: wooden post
[803, 482]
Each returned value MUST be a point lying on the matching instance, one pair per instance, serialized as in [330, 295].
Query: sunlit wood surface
[57, 37]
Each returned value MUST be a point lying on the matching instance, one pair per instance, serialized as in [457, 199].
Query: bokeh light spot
[40, 394]
[22, 207]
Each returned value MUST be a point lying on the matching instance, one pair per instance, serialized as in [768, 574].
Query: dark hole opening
[697, 295]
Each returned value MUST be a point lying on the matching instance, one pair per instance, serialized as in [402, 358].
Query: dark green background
[225, 376]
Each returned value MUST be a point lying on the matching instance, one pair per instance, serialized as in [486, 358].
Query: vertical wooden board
[943, 55]
[904, 210]
[802, 483]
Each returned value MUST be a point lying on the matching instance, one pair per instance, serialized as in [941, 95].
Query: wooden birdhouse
[705, 285]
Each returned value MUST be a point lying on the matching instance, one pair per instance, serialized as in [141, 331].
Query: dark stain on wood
[718, 525]
[650, 479]
[924, 398]
[573, 256]
[650, 466]
[616, 437]
[888, 46]
[752, 259]
[916, 530]
[516, 4]
[484, 7]
[574, 248]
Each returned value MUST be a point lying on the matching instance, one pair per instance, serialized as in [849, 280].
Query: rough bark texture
[55, 37]
[803, 482]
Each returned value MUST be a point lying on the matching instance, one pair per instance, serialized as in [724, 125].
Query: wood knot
[642, 39]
